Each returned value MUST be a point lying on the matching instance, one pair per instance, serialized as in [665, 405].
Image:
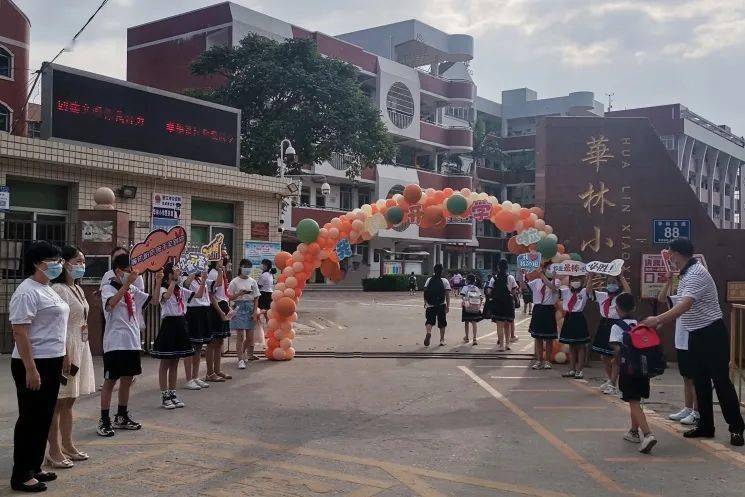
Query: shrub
[392, 283]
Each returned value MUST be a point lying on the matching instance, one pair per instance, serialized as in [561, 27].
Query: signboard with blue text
[255, 251]
[666, 230]
[166, 211]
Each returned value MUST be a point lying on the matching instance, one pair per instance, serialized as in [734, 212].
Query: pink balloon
[548, 229]
[276, 294]
[298, 256]
[290, 334]
[272, 324]
[286, 326]
[540, 225]
[290, 292]
[285, 343]
[293, 318]
[334, 233]
[302, 248]
[278, 354]
[280, 286]
[358, 225]
[298, 267]
[288, 271]
[291, 282]
[289, 353]
[336, 223]
[279, 335]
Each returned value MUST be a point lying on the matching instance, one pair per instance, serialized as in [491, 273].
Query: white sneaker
[241, 364]
[546, 365]
[605, 385]
[683, 413]
[632, 436]
[647, 443]
[192, 385]
[537, 365]
[610, 390]
[691, 419]
[202, 383]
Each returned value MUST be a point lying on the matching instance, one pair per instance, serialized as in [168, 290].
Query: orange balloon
[447, 191]
[281, 259]
[537, 211]
[439, 197]
[390, 202]
[524, 213]
[433, 215]
[560, 248]
[328, 267]
[505, 221]
[515, 247]
[412, 193]
[285, 306]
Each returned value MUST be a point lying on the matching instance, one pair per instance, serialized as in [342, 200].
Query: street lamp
[289, 152]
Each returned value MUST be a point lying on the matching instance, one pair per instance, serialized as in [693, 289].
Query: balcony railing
[447, 136]
[701, 121]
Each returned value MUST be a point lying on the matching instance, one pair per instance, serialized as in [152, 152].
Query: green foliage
[392, 283]
[287, 90]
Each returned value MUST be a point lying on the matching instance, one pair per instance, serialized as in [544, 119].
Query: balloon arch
[322, 247]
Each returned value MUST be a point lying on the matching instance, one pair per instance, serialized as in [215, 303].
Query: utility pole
[610, 100]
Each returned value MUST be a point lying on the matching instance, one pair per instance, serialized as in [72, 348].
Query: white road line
[317, 325]
[517, 377]
[494, 332]
[333, 323]
[505, 366]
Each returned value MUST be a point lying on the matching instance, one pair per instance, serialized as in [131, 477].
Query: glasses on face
[53, 260]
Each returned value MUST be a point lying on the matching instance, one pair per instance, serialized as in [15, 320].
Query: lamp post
[289, 152]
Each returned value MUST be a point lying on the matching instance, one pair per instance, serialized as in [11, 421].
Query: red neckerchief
[543, 291]
[606, 306]
[179, 298]
[225, 285]
[572, 301]
[130, 304]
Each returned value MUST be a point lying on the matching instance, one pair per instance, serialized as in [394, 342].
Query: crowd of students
[52, 364]
[701, 338]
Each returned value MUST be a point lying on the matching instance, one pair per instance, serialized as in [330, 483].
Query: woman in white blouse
[78, 365]
[39, 319]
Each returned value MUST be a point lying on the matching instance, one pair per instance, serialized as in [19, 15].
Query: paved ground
[406, 426]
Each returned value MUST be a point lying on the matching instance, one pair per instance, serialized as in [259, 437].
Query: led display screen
[84, 107]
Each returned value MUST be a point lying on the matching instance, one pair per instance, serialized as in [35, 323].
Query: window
[34, 129]
[705, 182]
[6, 63]
[400, 105]
[728, 190]
[320, 198]
[727, 214]
[363, 197]
[717, 212]
[209, 219]
[305, 196]
[4, 118]
[716, 186]
[486, 228]
[345, 198]
[668, 141]
[457, 112]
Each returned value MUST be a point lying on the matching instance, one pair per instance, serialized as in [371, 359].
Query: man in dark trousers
[708, 343]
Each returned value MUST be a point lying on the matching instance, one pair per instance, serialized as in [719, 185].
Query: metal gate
[15, 237]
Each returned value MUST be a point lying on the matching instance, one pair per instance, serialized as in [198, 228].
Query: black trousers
[35, 410]
[708, 349]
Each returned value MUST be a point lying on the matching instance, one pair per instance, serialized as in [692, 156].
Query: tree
[287, 90]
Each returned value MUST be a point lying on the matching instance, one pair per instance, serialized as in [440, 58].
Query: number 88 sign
[666, 230]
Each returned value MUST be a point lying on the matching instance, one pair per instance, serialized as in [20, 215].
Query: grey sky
[647, 52]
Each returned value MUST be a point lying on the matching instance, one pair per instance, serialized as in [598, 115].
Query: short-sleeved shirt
[511, 282]
[139, 282]
[445, 283]
[698, 284]
[681, 333]
[204, 300]
[171, 306]
[43, 310]
[579, 304]
[122, 330]
[541, 296]
[602, 298]
[249, 284]
[217, 290]
[266, 282]
[616, 332]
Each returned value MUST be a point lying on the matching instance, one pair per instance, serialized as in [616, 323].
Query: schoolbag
[434, 292]
[473, 300]
[641, 352]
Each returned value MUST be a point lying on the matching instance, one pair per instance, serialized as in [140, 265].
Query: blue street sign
[666, 230]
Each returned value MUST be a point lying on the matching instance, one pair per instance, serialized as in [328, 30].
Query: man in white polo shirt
[708, 342]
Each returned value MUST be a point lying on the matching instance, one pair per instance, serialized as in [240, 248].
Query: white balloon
[551, 236]
[380, 203]
[506, 204]
[366, 209]
[549, 229]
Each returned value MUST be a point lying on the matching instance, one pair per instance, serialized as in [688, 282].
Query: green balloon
[394, 215]
[457, 204]
[307, 230]
[547, 247]
[575, 256]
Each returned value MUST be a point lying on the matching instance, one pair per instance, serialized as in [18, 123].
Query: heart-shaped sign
[157, 249]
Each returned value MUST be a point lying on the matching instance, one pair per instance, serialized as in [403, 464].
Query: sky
[645, 52]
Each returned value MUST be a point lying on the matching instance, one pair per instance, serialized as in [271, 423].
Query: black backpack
[434, 292]
[636, 362]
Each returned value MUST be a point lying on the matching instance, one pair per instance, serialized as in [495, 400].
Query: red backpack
[641, 351]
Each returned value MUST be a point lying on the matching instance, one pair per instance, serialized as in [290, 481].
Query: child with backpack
[436, 304]
[605, 296]
[472, 299]
[636, 366]
[412, 283]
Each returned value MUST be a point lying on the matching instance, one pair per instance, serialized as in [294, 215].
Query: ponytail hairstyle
[502, 270]
[268, 264]
[167, 272]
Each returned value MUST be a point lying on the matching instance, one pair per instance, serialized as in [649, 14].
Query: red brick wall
[15, 26]
[438, 181]
[665, 118]
[322, 216]
[214, 15]
[450, 231]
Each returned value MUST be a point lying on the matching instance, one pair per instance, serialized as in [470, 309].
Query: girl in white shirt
[172, 342]
[244, 291]
[543, 322]
[198, 309]
[574, 331]
[219, 319]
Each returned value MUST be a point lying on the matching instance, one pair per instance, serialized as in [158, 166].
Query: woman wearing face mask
[244, 291]
[574, 331]
[78, 364]
[614, 286]
[39, 319]
[543, 322]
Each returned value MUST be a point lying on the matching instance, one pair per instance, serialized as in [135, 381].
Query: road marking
[499, 366]
[417, 485]
[317, 325]
[333, 323]
[713, 448]
[589, 469]
[495, 332]
[527, 347]
[541, 390]
[568, 408]
[647, 459]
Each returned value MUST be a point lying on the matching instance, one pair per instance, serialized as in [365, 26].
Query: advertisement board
[256, 250]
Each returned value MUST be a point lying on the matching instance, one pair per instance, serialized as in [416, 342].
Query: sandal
[465, 339]
[223, 375]
[475, 342]
[76, 455]
[214, 378]
[63, 464]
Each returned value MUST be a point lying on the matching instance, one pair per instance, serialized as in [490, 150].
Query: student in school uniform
[244, 291]
[633, 389]
[266, 286]
[121, 343]
[198, 310]
[172, 342]
[501, 293]
[219, 319]
[472, 301]
[606, 300]
[574, 331]
[543, 322]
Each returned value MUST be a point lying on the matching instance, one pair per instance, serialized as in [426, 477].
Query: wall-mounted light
[127, 192]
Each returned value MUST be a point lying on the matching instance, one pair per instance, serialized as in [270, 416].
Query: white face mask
[576, 284]
[549, 274]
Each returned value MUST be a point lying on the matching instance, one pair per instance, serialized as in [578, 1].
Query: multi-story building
[15, 29]
[415, 74]
[512, 123]
[708, 155]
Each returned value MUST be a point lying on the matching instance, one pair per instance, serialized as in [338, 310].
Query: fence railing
[737, 348]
